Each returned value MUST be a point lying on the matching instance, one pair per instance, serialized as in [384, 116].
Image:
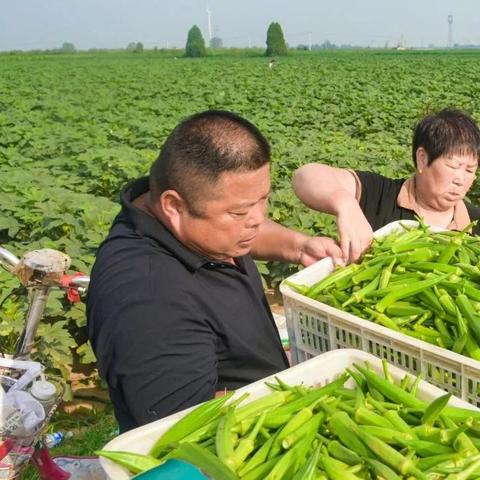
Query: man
[176, 309]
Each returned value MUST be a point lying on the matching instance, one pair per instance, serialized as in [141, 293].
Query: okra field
[75, 128]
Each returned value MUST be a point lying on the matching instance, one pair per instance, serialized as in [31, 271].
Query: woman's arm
[333, 190]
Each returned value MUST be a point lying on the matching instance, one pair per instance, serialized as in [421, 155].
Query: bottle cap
[43, 390]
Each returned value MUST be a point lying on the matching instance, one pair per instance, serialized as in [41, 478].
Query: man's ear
[422, 159]
[171, 204]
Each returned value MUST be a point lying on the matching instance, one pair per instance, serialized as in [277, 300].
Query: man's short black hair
[447, 132]
[202, 147]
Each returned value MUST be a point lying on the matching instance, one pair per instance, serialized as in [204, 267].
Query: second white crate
[314, 327]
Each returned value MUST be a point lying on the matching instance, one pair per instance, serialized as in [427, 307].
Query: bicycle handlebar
[82, 281]
[8, 259]
[40, 270]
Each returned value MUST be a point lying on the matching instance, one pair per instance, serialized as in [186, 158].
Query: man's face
[232, 211]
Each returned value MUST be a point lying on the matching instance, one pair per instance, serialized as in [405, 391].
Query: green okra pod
[335, 469]
[449, 251]
[436, 267]
[368, 273]
[342, 453]
[467, 310]
[309, 470]
[388, 435]
[424, 448]
[386, 274]
[411, 246]
[194, 420]
[466, 472]
[463, 443]
[286, 463]
[427, 463]
[224, 441]
[203, 459]
[381, 470]
[341, 425]
[364, 416]
[389, 455]
[338, 274]
[359, 295]
[133, 462]
[261, 471]
[311, 425]
[276, 418]
[433, 411]
[398, 422]
[404, 309]
[258, 458]
[407, 291]
[246, 445]
[299, 419]
[391, 391]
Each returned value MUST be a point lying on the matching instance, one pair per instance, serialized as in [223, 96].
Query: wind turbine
[209, 18]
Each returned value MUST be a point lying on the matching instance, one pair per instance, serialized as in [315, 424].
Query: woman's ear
[422, 159]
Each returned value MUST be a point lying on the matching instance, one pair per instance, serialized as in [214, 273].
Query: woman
[445, 150]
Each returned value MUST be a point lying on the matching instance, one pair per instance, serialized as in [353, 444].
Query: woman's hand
[354, 231]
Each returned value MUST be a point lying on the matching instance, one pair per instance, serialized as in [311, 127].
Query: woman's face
[446, 180]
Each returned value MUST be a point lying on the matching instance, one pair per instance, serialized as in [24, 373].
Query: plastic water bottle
[51, 440]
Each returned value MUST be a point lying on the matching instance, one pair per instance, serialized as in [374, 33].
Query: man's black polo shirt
[170, 327]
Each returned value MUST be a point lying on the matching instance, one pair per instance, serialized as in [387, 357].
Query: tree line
[276, 45]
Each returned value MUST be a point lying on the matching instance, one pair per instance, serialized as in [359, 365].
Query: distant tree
[216, 42]
[131, 46]
[328, 45]
[275, 41]
[195, 46]
[138, 48]
[68, 47]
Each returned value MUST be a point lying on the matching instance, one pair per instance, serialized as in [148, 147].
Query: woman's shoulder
[473, 210]
[375, 182]
[377, 177]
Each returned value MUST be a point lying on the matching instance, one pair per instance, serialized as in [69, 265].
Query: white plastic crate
[314, 328]
[317, 371]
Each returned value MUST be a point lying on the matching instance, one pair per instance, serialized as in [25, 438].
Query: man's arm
[333, 190]
[276, 242]
[163, 361]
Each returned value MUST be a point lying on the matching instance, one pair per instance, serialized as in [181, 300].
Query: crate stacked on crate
[315, 327]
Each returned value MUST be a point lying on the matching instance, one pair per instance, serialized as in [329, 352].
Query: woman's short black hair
[202, 147]
[447, 132]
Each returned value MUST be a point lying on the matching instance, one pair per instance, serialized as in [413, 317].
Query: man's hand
[314, 249]
[276, 242]
[355, 233]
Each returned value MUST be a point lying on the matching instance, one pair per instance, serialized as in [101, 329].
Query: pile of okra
[377, 429]
[423, 284]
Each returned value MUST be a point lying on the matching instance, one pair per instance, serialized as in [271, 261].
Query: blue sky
[30, 24]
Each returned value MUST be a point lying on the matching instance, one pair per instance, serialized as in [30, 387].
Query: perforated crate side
[471, 385]
[445, 373]
[308, 331]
